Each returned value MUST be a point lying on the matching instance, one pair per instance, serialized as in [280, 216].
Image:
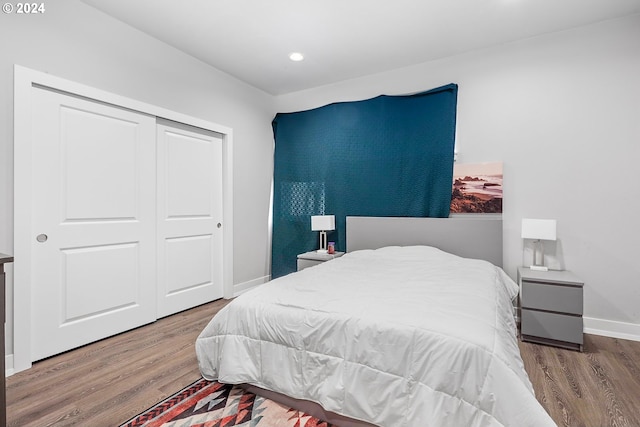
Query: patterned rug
[211, 404]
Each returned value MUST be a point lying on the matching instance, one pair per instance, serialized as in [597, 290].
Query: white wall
[563, 113]
[76, 42]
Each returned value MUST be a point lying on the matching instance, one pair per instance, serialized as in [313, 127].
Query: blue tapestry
[386, 156]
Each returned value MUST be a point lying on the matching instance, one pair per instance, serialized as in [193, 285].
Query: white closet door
[189, 217]
[93, 224]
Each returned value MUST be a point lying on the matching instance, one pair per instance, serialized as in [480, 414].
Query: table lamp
[323, 223]
[539, 230]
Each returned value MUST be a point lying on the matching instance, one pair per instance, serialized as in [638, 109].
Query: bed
[397, 332]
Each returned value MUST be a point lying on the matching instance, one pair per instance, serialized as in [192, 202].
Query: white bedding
[399, 336]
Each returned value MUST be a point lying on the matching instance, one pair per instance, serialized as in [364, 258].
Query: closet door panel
[189, 217]
[93, 237]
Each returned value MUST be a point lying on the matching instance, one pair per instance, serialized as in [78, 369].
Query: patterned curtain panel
[386, 156]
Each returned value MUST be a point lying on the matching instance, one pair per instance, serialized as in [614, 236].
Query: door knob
[42, 238]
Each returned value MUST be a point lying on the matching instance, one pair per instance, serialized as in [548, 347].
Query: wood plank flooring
[599, 387]
[108, 382]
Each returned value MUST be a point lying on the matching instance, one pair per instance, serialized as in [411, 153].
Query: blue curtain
[386, 156]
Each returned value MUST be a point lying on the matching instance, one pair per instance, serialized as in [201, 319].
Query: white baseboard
[611, 328]
[8, 365]
[240, 288]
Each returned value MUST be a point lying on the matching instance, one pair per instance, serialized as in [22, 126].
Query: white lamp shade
[543, 229]
[323, 222]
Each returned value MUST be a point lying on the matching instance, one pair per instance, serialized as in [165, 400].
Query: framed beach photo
[477, 188]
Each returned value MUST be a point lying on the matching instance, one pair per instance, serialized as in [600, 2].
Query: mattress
[398, 336]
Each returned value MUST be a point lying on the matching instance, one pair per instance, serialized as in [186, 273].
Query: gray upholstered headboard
[469, 236]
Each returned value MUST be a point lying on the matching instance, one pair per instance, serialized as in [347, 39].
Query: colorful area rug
[211, 404]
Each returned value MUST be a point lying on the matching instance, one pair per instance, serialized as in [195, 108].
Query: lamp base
[539, 268]
[538, 257]
[323, 243]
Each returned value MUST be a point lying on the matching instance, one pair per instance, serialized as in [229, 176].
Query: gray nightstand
[309, 259]
[551, 307]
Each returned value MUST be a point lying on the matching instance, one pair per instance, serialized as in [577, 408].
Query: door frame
[24, 80]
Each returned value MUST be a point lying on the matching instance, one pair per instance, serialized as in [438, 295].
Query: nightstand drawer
[551, 297]
[554, 326]
[309, 259]
[306, 263]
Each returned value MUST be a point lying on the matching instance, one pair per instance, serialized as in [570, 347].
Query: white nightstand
[309, 259]
[552, 304]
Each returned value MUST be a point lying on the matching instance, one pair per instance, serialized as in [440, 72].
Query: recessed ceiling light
[296, 56]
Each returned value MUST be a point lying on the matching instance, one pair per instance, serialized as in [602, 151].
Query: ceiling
[344, 39]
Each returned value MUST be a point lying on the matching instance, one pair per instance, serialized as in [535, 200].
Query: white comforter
[399, 336]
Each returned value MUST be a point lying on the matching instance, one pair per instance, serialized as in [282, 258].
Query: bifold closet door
[189, 217]
[93, 223]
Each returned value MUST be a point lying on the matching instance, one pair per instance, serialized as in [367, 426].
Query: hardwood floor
[599, 387]
[108, 382]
